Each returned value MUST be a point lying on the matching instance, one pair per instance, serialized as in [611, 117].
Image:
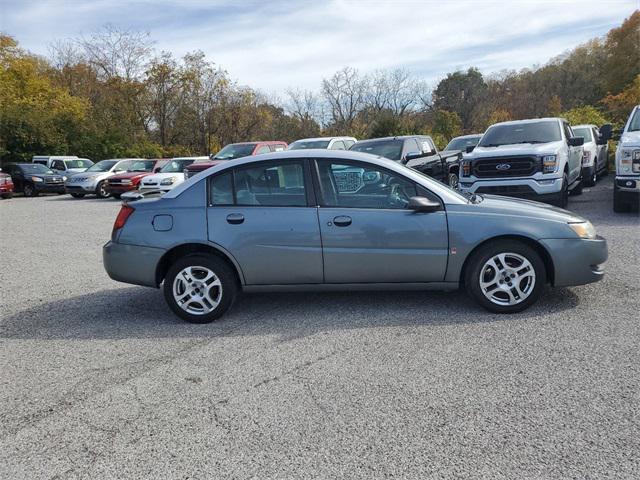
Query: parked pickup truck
[539, 159]
[626, 191]
[417, 152]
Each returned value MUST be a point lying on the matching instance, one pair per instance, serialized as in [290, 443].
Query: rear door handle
[342, 221]
[235, 218]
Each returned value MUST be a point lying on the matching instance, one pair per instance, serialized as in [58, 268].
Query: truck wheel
[29, 190]
[505, 276]
[200, 288]
[593, 177]
[619, 206]
[577, 190]
[101, 190]
[453, 180]
[563, 196]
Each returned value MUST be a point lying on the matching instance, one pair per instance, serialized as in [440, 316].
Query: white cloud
[273, 45]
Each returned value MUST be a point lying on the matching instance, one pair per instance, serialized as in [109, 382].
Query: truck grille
[53, 181]
[506, 167]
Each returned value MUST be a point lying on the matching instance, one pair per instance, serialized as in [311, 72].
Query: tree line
[112, 95]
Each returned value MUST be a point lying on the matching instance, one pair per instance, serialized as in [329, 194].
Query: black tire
[77, 195]
[101, 191]
[453, 180]
[562, 199]
[577, 190]
[485, 253]
[29, 190]
[7, 195]
[591, 178]
[228, 289]
[619, 205]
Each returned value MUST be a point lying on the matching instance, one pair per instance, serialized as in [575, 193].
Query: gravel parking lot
[101, 380]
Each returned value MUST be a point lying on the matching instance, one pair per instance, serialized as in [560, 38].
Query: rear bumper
[577, 261]
[131, 263]
[6, 188]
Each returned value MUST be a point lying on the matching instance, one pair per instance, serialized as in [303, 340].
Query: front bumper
[42, 187]
[577, 261]
[155, 188]
[119, 189]
[515, 187]
[131, 263]
[85, 187]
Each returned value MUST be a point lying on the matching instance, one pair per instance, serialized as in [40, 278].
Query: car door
[575, 155]
[263, 215]
[601, 158]
[368, 234]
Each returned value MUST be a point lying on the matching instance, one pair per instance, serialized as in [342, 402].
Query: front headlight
[549, 163]
[583, 229]
[168, 181]
[36, 179]
[64, 179]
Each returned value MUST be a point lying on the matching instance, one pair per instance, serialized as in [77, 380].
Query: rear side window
[266, 184]
[338, 145]
[263, 149]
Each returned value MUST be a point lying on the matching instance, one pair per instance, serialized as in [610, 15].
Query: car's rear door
[262, 213]
[368, 234]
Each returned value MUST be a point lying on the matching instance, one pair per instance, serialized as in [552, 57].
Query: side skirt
[338, 287]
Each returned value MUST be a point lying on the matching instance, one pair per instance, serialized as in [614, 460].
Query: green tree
[462, 93]
[584, 115]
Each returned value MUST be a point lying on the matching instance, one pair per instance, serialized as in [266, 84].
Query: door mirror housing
[412, 156]
[606, 131]
[576, 141]
[423, 204]
[157, 169]
[469, 149]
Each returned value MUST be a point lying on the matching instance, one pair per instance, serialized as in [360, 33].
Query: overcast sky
[273, 45]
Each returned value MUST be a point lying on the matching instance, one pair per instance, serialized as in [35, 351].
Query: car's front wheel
[29, 190]
[200, 288]
[505, 276]
[101, 190]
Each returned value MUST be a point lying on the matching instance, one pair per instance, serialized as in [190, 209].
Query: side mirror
[157, 169]
[576, 141]
[606, 131]
[469, 149]
[412, 156]
[422, 204]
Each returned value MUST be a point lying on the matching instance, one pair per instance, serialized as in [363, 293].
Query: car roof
[531, 120]
[584, 126]
[397, 137]
[319, 139]
[471, 135]
[439, 188]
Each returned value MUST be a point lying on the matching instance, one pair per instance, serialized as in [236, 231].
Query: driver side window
[355, 185]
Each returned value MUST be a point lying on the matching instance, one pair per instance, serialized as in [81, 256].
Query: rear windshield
[391, 149]
[583, 132]
[516, 133]
[305, 145]
[235, 150]
[462, 143]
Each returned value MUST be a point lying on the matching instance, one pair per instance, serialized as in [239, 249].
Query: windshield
[462, 143]
[305, 145]
[176, 166]
[80, 163]
[235, 150]
[584, 132]
[102, 166]
[35, 168]
[137, 165]
[391, 149]
[515, 133]
[634, 124]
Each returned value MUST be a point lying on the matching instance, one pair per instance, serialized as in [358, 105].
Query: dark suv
[34, 178]
[418, 152]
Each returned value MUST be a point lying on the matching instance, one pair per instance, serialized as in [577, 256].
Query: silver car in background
[93, 180]
[340, 220]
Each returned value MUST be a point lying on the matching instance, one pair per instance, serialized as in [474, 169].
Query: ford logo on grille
[503, 166]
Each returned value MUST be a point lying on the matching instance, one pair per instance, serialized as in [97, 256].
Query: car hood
[129, 175]
[630, 139]
[73, 171]
[525, 208]
[520, 149]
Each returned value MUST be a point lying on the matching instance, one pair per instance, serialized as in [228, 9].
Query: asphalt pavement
[100, 380]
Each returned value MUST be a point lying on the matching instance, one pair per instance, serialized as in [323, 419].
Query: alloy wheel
[197, 290]
[507, 279]
[453, 180]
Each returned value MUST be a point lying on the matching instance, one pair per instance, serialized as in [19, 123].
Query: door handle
[342, 221]
[235, 218]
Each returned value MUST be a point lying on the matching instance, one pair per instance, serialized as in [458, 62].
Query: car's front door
[262, 215]
[368, 234]
[575, 155]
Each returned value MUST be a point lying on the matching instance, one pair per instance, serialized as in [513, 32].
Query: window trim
[306, 178]
[320, 193]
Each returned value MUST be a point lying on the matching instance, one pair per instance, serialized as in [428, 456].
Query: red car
[130, 180]
[6, 185]
[235, 150]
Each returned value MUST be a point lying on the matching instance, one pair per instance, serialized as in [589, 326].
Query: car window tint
[269, 184]
[222, 189]
[359, 185]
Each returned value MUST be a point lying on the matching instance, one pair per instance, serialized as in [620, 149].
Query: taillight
[123, 216]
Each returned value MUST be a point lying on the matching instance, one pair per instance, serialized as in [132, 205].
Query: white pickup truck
[626, 190]
[539, 159]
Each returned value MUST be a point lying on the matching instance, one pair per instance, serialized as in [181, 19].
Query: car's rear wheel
[200, 288]
[593, 177]
[505, 276]
[101, 190]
